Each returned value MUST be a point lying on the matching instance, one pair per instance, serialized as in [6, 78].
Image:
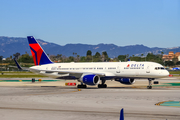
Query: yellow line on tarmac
[159, 103]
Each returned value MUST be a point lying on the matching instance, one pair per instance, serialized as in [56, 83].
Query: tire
[156, 82]
[104, 86]
[99, 86]
[84, 86]
[79, 86]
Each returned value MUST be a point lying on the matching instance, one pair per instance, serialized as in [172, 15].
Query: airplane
[91, 73]
[19, 67]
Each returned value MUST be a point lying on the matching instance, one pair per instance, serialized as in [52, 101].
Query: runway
[20, 102]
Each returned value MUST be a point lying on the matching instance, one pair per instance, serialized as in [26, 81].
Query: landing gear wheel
[81, 86]
[102, 86]
[149, 87]
[150, 83]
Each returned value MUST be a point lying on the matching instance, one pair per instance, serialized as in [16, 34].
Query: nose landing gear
[150, 83]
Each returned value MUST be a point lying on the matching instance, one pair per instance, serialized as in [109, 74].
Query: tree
[135, 58]
[25, 58]
[75, 56]
[104, 53]
[64, 58]
[142, 56]
[11, 57]
[178, 63]
[175, 59]
[89, 53]
[97, 55]
[105, 56]
[78, 56]
[122, 57]
[59, 56]
[16, 56]
[70, 59]
[83, 59]
[1, 57]
[169, 63]
[52, 57]
[127, 57]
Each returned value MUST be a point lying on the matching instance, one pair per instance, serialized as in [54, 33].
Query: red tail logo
[39, 56]
[36, 53]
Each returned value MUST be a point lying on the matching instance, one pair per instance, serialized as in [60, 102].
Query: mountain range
[12, 45]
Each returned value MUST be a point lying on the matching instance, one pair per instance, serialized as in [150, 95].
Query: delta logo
[128, 65]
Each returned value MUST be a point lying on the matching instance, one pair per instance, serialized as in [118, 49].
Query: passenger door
[148, 69]
[118, 69]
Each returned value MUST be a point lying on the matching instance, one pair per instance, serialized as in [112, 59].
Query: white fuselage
[129, 69]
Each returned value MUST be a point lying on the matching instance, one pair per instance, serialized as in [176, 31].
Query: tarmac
[48, 99]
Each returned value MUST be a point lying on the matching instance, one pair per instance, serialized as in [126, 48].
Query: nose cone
[166, 73]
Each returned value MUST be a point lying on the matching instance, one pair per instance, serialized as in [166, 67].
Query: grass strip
[174, 72]
[20, 76]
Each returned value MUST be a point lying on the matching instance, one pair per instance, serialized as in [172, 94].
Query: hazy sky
[154, 23]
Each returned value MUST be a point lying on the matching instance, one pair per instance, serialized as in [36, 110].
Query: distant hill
[12, 45]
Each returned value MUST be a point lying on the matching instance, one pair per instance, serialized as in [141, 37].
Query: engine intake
[90, 79]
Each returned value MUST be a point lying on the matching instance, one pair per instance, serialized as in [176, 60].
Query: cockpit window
[159, 68]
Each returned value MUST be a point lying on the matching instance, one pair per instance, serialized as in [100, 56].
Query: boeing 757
[94, 73]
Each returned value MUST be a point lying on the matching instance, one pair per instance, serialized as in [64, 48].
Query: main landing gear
[81, 86]
[102, 85]
[150, 83]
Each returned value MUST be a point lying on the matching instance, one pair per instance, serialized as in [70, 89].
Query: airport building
[171, 55]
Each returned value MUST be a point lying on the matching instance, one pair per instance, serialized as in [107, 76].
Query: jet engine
[90, 79]
[125, 81]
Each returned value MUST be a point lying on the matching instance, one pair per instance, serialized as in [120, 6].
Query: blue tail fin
[39, 56]
[121, 114]
[19, 67]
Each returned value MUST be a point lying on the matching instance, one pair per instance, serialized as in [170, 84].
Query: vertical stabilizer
[122, 114]
[19, 67]
[39, 56]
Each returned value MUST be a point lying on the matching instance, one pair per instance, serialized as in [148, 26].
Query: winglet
[121, 114]
[39, 56]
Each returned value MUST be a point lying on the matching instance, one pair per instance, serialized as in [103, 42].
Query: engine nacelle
[90, 79]
[125, 81]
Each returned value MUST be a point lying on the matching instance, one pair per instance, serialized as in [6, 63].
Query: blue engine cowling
[90, 79]
[125, 81]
